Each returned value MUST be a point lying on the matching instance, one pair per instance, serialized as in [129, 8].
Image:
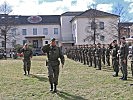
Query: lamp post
[93, 27]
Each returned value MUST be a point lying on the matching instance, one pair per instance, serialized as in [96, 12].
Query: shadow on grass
[107, 68]
[40, 78]
[68, 96]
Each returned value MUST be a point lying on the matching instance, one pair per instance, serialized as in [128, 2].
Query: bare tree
[6, 24]
[122, 12]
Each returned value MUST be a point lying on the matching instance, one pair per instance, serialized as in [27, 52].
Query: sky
[57, 7]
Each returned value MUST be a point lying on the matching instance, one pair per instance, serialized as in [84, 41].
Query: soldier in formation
[123, 58]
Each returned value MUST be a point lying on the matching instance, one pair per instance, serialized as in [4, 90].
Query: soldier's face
[53, 43]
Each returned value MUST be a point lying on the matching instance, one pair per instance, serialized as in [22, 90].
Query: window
[3, 43]
[24, 32]
[13, 31]
[102, 37]
[24, 41]
[34, 31]
[45, 31]
[101, 25]
[46, 42]
[55, 30]
[13, 43]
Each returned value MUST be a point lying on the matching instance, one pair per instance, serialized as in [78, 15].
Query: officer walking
[27, 52]
[123, 58]
[53, 53]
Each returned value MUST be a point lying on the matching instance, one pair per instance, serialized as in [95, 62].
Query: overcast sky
[56, 7]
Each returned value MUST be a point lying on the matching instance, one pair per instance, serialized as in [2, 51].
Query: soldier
[108, 55]
[115, 58]
[27, 52]
[132, 60]
[123, 58]
[99, 53]
[90, 54]
[103, 53]
[94, 55]
[84, 55]
[53, 53]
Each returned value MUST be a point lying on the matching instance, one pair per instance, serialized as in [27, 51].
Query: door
[35, 43]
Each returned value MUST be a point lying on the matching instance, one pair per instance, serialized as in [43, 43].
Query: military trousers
[108, 60]
[132, 67]
[53, 73]
[103, 59]
[99, 63]
[27, 64]
[123, 68]
[90, 60]
[115, 64]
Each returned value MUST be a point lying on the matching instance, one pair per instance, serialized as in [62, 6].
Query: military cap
[123, 38]
[53, 39]
[114, 41]
[99, 44]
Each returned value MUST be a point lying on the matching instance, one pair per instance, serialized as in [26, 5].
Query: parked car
[37, 52]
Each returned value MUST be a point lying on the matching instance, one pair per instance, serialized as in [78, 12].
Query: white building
[69, 28]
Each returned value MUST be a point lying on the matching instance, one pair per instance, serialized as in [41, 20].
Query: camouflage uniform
[132, 61]
[99, 54]
[103, 54]
[27, 52]
[108, 55]
[115, 60]
[53, 53]
[123, 56]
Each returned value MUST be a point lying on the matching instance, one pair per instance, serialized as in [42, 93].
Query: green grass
[76, 82]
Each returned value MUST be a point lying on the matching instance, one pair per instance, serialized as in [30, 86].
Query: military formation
[99, 55]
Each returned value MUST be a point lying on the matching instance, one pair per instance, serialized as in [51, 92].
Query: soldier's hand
[124, 61]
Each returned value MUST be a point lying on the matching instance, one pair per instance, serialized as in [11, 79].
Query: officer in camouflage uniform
[123, 58]
[94, 55]
[108, 55]
[103, 53]
[99, 54]
[91, 54]
[115, 58]
[27, 52]
[53, 53]
[132, 61]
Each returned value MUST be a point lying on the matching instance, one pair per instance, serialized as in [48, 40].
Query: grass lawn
[76, 82]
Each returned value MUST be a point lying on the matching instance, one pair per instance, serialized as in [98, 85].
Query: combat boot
[25, 73]
[116, 74]
[51, 87]
[124, 78]
[28, 72]
[55, 88]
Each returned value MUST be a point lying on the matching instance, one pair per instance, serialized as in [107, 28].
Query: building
[126, 29]
[69, 28]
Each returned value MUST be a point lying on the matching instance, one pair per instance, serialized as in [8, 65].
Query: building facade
[69, 28]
